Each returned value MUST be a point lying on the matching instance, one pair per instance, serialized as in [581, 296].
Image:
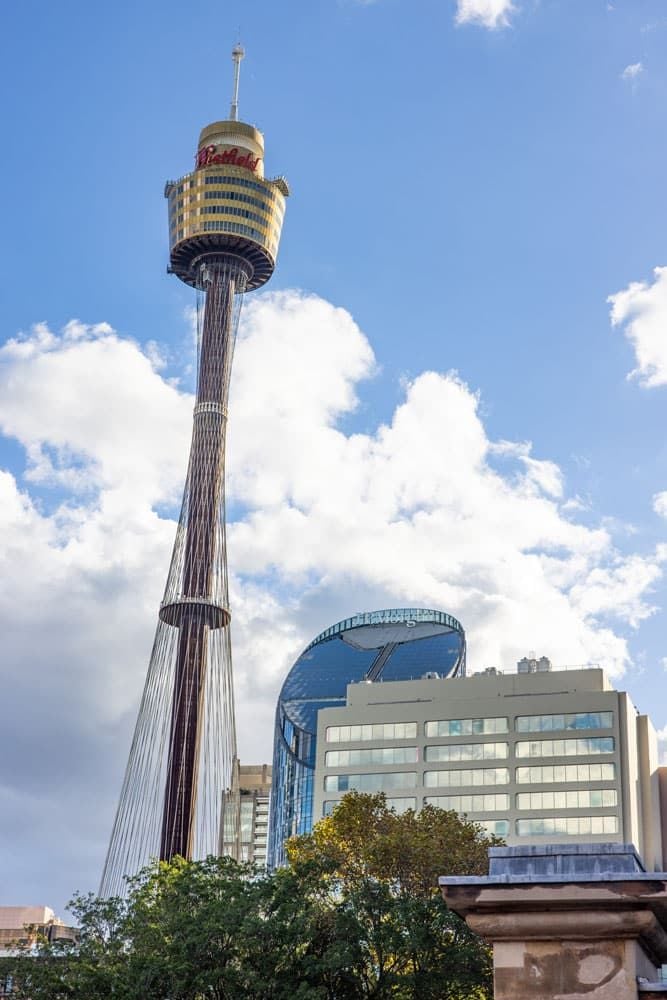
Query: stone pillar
[574, 922]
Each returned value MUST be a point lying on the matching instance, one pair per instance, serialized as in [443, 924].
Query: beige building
[18, 924]
[21, 925]
[540, 756]
[245, 813]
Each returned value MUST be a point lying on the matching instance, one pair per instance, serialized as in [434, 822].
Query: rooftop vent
[531, 665]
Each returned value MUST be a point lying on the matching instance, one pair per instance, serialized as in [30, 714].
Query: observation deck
[226, 205]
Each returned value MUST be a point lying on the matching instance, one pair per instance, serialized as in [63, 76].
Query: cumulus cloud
[641, 310]
[632, 71]
[324, 521]
[488, 13]
[660, 503]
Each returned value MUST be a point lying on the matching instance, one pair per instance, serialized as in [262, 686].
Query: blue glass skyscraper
[394, 644]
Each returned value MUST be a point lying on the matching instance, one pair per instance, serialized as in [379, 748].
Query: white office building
[541, 755]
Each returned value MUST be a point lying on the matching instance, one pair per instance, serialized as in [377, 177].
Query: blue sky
[477, 187]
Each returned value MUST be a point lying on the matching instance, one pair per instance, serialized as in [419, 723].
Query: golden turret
[226, 205]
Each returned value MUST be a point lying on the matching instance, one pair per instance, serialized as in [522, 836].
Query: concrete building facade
[535, 757]
[21, 925]
[245, 813]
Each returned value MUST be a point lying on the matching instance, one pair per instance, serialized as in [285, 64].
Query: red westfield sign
[207, 157]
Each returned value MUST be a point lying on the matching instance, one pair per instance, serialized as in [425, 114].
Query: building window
[459, 779]
[226, 194]
[247, 810]
[495, 827]
[470, 803]
[565, 748]
[568, 826]
[262, 189]
[399, 805]
[467, 727]
[235, 227]
[549, 774]
[370, 782]
[572, 720]
[242, 213]
[467, 751]
[372, 755]
[377, 731]
[579, 798]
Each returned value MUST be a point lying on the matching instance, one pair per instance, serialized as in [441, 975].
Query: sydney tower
[225, 220]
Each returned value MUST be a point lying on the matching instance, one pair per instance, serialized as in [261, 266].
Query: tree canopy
[356, 914]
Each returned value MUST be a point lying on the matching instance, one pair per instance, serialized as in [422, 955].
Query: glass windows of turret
[244, 213]
[225, 194]
[235, 227]
[263, 189]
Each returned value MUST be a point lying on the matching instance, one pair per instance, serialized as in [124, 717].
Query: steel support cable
[204, 689]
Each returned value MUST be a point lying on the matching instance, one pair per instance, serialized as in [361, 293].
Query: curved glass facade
[391, 645]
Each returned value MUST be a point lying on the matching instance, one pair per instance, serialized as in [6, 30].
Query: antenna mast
[238, 53]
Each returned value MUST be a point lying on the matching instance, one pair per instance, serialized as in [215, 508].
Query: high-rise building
[391, 645]
[225, 220]
[245, 813]
[381, 703]
[539, 756]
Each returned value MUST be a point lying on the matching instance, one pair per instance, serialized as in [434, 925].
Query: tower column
[202, 606]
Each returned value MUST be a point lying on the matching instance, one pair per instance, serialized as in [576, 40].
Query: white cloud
[632, 71]
[424, 510]
[488, 13]
[660, 503]
[641, 309]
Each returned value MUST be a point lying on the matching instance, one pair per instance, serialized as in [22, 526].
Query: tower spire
[238, 53]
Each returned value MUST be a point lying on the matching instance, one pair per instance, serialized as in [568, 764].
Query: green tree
[356, 915]
[380, 873]
[91, 967]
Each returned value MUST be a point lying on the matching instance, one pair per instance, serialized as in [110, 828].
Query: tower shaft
[199, 608]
